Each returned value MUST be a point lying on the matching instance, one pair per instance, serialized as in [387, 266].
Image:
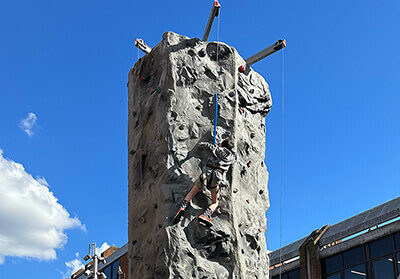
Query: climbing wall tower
[171, 110]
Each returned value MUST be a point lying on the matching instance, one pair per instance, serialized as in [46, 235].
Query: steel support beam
[266, 52]
[214, 13]
[140, 44]
[310, 267]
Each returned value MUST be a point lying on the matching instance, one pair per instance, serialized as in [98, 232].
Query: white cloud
[32, 220]
[28, 123]
[76, 264]
[102, 248]
[73, 266]
[42, 181]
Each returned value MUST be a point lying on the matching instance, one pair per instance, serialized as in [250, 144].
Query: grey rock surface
[171, 110]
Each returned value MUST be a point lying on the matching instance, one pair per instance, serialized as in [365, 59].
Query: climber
[213, 176]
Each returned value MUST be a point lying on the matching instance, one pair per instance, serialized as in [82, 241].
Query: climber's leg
[193, 192]
[205, 218]
[214, 198]
[181, 210]
[179, 213]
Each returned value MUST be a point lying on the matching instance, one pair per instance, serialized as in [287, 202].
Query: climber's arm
[207, 145]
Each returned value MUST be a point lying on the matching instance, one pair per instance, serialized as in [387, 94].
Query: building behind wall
[366, 246]
[116, 259]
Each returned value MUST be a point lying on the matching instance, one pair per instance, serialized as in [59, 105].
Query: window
[379, 259]
[294, 274]
[397, 240]
[284, 276]
[115, 266]
[381, 247]
[334, 276]
[383, 269]
[111, 271]
[353, 256]
[332, 264]
[356, 272]
[398, 263]
[107, 271]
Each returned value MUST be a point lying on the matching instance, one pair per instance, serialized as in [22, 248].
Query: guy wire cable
[282, 159]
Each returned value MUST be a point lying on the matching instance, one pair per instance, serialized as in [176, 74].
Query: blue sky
[67, 62]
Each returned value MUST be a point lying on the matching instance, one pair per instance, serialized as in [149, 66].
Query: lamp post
[93, 256]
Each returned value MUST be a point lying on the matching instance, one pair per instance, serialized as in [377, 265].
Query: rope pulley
[140, 44]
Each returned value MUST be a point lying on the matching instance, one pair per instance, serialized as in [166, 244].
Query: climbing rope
[216, 95]
[215, 118]
[219, 16]
[282, 161]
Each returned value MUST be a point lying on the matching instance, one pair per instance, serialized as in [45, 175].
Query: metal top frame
[213, 14]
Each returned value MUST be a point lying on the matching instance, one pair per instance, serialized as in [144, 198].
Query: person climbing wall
[213, 176]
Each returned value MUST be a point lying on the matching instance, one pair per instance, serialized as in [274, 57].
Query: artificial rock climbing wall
[171, 110]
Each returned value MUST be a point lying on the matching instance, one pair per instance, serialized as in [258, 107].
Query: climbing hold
[242, 68]
[155, 205]
[261, 192]
[191, 52]
[158, 89]
[202, 52]
[248, 200]
[134, 113]
[146, 78]
[252, 135]
[160, 226]
[134, 242]
[260, 230]
[227, 259]
[235, 190]
[249, 163]
[149, 240]
[240, 109]
[132, 152]
[142, 220]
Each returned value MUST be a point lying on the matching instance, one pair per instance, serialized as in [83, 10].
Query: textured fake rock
[171, 110]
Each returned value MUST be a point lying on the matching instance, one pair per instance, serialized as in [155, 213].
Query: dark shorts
[211, 179]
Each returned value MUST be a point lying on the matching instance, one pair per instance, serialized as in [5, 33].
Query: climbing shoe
[205, 218]
[179, 213]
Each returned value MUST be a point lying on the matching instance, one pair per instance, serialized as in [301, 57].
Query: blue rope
[215, 119]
